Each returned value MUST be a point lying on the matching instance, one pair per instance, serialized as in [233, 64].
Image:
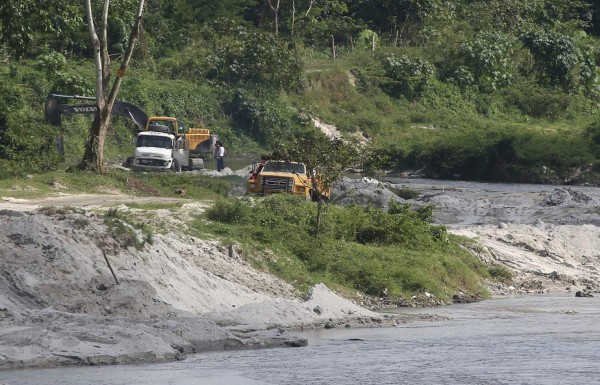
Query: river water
[541, 339]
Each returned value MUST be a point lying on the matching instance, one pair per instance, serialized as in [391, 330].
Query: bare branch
[97, 57]
[104, 43]
[276, 12]
[309, 7]
[135, 32]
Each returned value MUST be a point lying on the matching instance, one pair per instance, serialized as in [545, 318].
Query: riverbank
[547, 236]
[514, 340]
[60, 304]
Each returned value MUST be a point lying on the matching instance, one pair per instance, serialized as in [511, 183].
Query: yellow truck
[199, 140]
[278, 176]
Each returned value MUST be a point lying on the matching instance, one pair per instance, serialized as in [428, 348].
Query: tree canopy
[258, 70]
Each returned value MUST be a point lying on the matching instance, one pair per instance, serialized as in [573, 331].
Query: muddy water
[549, 339]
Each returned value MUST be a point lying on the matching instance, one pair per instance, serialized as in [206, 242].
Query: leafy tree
[565, 15]
[517, 16]
[409, 76]
[93, 157]
[53, 66]
[507, 16]
[489, 58]
[410, 22]
[25, 23]
[263, 117]
[246, 55]
[20, 149]
[594, 27]
[556, 56]
[316, 22]
[325, 158]
[201, 11]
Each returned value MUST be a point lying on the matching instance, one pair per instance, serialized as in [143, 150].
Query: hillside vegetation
[472, 89]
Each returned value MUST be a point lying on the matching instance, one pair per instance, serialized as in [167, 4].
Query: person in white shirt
[220, 155]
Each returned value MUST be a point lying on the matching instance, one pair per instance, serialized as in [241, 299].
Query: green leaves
[409, 75]
[363, 248]
[244, 55]
[26, 23]
[329, 158]
[556, 57]
[263, 117]
[488, 59]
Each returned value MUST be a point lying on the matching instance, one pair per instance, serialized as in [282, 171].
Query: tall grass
[395, 254]
[181, 185]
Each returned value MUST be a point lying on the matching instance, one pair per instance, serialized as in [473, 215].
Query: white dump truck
[158, 149]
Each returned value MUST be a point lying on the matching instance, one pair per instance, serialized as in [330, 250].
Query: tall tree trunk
[93, 157]
[318, 224]
[293, 18]
[104, 47]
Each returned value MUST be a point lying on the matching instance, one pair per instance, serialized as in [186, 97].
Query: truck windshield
[154, 141]
[297, 168]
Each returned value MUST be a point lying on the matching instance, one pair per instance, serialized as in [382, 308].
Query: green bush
[538, 102]
[556, 57]
[363, 249]
[231, 211]
[500, 273]
[408, 76]
[489, 59]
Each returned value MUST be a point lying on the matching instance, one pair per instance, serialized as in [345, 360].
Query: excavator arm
[55, 110]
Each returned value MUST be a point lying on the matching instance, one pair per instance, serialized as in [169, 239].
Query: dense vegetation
[489, 90]
[392, 254]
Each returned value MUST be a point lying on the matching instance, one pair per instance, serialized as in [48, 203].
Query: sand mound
[569, 197]
[60, 304]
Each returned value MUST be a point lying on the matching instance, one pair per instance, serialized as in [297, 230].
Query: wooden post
[333, 47]
[110, 267]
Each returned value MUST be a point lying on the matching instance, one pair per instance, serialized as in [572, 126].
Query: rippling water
[546, 339]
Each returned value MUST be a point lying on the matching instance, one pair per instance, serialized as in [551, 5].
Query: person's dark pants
[220, 163]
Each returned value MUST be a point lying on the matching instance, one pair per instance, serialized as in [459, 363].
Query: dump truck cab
[278, 176]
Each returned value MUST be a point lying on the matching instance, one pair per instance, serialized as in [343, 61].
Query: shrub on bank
[385, 254]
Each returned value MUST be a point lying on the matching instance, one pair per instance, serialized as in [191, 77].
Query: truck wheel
[197, 163]
[176, 166]
[129, 162]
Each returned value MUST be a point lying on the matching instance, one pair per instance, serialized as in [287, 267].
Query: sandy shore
[60, 303]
